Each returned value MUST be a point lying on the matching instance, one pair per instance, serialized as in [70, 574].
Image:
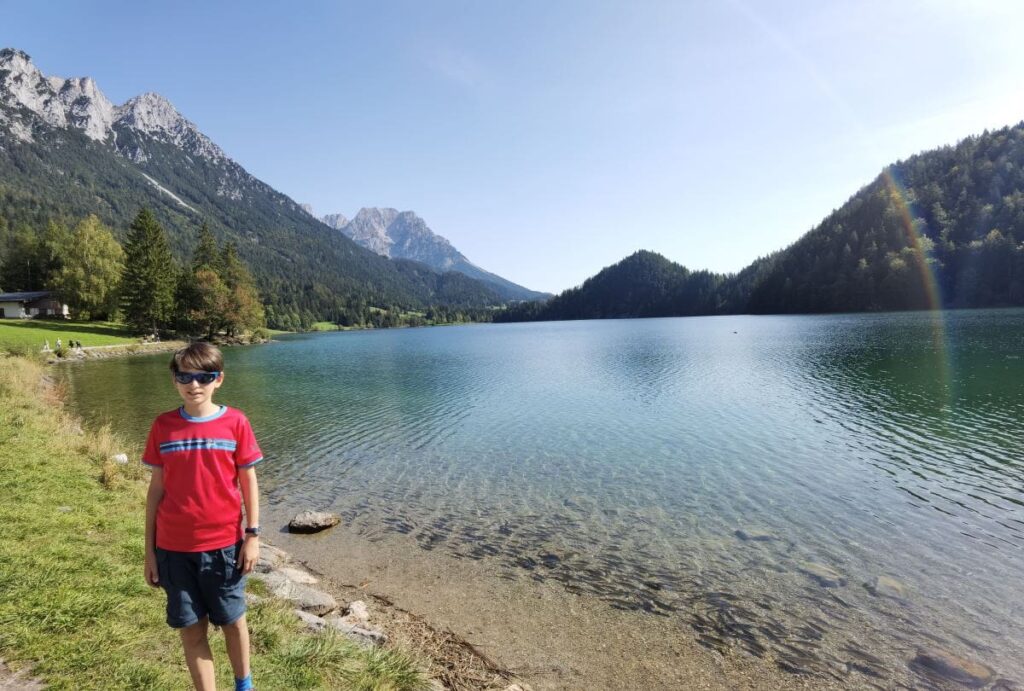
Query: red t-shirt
[202, 504]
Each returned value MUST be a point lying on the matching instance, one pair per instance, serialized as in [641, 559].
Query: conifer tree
[206, 254]
[148, 283]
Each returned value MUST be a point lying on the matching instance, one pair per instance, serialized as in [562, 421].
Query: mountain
[944, 228]
[404, 235]
[66, 151]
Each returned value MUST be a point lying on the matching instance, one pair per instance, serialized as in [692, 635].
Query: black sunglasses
[203, 378]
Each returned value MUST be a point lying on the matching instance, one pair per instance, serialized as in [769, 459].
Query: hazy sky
[549, 139]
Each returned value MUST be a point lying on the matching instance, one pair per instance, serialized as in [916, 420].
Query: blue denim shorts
[200, 584]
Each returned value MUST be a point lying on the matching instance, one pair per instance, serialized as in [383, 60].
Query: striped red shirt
[202, 504]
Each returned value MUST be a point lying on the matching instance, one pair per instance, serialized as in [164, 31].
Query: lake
[747, 480]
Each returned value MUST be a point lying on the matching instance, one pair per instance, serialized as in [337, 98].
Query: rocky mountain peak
[404, 235]
[376, 216]
[157, 117]
[86, 107]
[150, 113]
[369, 228]
[336, 221]
[79, 103]
[16, 60]
[22, 85]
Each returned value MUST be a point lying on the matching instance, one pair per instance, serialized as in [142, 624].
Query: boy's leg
[195, 641]
[236, 636]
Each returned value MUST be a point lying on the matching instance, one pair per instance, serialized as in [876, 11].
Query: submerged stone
[824, 575]
[887, 586]
[1006, 685]
[753, 535]
[951, 666]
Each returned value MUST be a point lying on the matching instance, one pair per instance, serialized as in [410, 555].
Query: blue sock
[243, 684]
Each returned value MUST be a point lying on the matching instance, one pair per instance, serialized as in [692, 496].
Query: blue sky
[547, 140]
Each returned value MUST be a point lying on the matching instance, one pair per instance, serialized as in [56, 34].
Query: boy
[200, 455]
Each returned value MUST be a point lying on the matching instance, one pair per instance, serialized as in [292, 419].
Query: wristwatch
[254, 530]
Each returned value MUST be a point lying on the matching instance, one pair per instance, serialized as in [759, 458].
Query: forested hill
[644, 284]
[944, 227]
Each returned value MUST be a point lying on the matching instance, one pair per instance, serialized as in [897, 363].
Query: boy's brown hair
[198, 357]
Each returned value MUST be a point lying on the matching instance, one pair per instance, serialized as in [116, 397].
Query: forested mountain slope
[944, 228]
[66, 151]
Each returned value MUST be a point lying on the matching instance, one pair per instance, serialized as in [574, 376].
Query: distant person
[58, 344]
[202, 456]
[46, 345]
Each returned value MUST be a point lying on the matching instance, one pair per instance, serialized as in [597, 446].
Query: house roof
[24, 297]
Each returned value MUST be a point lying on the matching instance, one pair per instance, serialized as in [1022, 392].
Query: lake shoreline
[548, 637]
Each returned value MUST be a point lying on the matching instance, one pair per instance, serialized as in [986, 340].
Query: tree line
[140, 282]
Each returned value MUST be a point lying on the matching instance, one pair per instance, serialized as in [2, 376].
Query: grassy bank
[29, 334]
[73, 603]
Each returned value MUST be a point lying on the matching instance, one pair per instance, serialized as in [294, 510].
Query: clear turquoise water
[619, 458]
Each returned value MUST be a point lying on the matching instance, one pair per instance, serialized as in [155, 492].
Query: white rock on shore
[304, 597]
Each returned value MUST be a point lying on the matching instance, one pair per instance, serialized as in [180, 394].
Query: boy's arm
[153, 497]
[250, 552]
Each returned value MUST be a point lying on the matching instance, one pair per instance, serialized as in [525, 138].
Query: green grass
[73, 603]
[323, 326]
[28, 334]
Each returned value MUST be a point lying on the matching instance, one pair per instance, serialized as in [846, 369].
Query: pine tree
[206, 254]
[148, 283]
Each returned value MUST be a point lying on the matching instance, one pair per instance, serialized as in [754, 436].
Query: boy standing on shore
[202, 457]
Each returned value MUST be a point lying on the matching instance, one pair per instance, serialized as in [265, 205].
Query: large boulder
[313, 522]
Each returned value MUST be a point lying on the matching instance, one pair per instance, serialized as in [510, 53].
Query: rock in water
[953, 667]
[886, 586]
[754, 535]
[824, 575]
[313, 522]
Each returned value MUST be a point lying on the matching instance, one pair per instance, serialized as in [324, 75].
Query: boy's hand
[152, 574]
[249, 554]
